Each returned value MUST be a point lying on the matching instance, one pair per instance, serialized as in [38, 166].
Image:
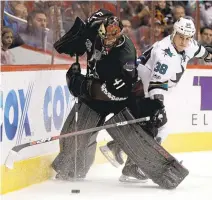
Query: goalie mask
[110, 32]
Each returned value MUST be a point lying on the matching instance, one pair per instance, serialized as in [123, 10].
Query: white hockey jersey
[162, 66]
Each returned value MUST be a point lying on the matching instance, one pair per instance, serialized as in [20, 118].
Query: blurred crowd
[39, 23]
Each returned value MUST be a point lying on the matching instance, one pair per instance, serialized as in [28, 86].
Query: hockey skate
[113, 153]
[131, 173]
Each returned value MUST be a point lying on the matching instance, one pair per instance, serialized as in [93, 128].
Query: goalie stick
[14, 151]
[76, 128]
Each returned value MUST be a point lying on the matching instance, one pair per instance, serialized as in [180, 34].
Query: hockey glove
[150, 128]
[78, 84]
[73, 42]
[208, 57]
[159, 118]
[75, 69]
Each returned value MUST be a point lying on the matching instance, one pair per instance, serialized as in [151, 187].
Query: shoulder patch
[167, 52]
[129, 66]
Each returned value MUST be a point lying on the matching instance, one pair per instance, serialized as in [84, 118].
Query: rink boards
[35, 102]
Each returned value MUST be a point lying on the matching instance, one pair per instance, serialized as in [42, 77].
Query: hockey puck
[75, 191]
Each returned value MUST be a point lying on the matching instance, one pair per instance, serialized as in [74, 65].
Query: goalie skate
[113, 153]
[131, 173]
[128, 179]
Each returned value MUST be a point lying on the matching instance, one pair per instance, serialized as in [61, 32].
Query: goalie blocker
[149, 156]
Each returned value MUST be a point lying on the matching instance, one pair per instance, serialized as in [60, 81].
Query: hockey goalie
[112, 85]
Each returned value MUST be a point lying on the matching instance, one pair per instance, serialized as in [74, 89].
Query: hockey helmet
[185, 27]
[110, 31]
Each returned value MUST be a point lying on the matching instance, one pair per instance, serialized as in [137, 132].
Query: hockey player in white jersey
[160, 68]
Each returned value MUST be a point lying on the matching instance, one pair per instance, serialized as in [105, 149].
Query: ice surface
[102, 184]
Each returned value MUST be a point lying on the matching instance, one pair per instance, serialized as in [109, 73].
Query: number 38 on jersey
[161, 68]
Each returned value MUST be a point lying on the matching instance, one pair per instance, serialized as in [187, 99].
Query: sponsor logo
[18, 117]
[205, 83]
[129, 66]
[56, 102]
[205, 116]
[14, 110]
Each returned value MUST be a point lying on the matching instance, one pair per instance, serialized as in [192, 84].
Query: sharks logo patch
[168, 52]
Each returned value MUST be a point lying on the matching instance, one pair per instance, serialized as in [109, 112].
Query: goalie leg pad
[150, 157]
[85, 146]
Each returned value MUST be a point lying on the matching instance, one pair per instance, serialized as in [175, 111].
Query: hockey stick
[76, 143]
[76, 128]
[14, 151]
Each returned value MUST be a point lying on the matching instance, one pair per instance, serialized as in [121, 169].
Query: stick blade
[11, 158]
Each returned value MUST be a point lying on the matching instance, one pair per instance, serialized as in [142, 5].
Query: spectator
[76, 9]
[178, 11]
[106, 5]
[14, 8]
[158, 31]
[36, 20]
[20, 11]
[35, 34]
[144, 33]
[128, 31]
[206, 39]
[45, 5]
[7, 40]
[187, 5]
[68, 18]
[55, 20]
[85, 6]
[135, 11]
[163, 12]
[206, 36]
[206, 13]
[127, 27]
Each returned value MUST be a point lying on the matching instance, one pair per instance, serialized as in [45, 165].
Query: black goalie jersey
[114, 69]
